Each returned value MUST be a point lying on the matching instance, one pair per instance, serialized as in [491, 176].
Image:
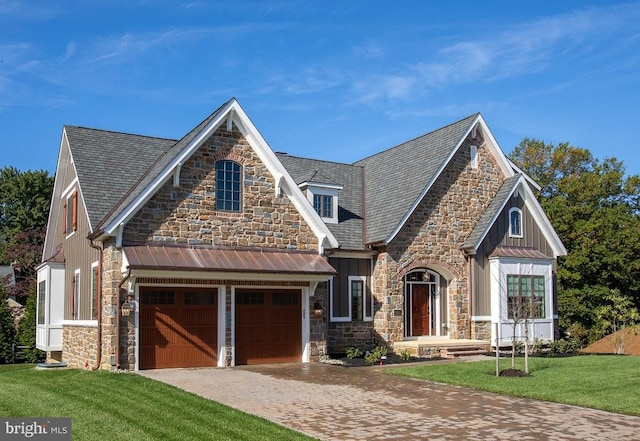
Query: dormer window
[323, 204]
[515, 222]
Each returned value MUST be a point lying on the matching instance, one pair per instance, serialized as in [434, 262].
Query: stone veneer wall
[187, 214]
[79, 346]
[433, 237]
[481, 330]
[111, 299]
[318, 325]
[343, 335]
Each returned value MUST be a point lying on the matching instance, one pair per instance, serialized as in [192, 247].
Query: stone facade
[433, 237]
[343, 335]
[481, 330]
[80, 346]
[187, 214]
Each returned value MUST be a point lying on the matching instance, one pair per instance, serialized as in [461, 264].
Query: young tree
[595, 209]
[616, 314]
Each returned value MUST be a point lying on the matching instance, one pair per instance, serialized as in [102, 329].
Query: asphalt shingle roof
[396, 177]
[496, 204]
[156, 167]
[108, 164]
[348, 230]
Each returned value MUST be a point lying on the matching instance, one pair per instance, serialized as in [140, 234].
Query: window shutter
[64, 218]
[75, 211]
[73, 297]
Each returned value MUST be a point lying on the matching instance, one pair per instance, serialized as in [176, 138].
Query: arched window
[228, 186]
[515, 222]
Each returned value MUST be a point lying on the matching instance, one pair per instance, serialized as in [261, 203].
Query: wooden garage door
[178, 327]
[268, 326]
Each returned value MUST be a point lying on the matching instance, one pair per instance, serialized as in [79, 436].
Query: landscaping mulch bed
[343, 360]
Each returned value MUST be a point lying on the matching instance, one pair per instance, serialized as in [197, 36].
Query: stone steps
[462, 351]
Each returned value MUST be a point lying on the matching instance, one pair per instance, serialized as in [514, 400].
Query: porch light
[127, 306]
[317, 309]
[125, 309]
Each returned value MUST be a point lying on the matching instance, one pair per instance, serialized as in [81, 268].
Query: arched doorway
[425, 304]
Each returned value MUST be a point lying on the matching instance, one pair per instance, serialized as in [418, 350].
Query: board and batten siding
[499, 235]
[78, 256]
[347, 267]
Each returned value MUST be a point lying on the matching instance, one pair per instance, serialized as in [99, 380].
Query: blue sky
[330, 80]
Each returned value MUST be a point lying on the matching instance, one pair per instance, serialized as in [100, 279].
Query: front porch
[436, 347]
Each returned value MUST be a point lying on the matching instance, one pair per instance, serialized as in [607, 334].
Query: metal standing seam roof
[518, 252]
[226, 260]
[396, 177]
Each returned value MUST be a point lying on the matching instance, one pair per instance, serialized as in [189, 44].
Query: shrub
[7, 331]
[562, 346]
[376, 354]
[27, 331]
[405, 354]
[353, 352]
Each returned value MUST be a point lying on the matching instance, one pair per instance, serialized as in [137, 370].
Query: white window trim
[68, 207]
[474, 156]
[519, 211]
[94, 265]
[365, 317]
[76, 299]
[333, 192]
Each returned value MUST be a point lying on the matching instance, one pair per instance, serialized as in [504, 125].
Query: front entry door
[423, 310]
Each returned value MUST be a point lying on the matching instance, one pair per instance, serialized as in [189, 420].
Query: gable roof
[417, 162]
[349, 229]
[169, 163]
[497, 204]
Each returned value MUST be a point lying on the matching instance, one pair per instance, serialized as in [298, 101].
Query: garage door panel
[268, 326]
[178, 328]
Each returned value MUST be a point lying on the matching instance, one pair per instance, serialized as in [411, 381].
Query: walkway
[338, 403]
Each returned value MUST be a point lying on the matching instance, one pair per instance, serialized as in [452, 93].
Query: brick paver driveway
[337, 403]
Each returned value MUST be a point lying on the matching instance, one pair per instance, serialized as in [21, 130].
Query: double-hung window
[228, 186]
[525, 296]
[323, 204]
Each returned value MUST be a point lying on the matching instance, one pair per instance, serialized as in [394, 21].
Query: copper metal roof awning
[226, 260]
[518, 252]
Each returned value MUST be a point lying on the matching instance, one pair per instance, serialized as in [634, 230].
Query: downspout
[122, 282]
[99, 303]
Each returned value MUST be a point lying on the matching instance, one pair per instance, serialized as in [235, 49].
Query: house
[213, 250]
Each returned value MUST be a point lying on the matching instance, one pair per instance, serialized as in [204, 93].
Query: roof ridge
[326, 161]
[474, 115]
[118, 132]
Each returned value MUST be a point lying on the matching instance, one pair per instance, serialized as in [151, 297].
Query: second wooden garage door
[178, 327]
[268, 326]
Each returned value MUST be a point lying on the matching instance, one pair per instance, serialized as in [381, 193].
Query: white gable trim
[536, 211]
[504, 164]
[232, 111]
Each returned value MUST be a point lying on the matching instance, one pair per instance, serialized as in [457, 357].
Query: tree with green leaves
[24, 211]
[7, 330]
[27, 331]
[595, 209]
[616, 314]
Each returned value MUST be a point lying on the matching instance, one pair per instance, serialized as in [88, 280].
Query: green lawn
[110, 406]
[604, 382]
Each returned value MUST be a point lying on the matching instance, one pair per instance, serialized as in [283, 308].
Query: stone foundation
[79, 346]
[347, 334]
[481, 330]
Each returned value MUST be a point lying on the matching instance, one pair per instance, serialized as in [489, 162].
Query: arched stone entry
[425, 303]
